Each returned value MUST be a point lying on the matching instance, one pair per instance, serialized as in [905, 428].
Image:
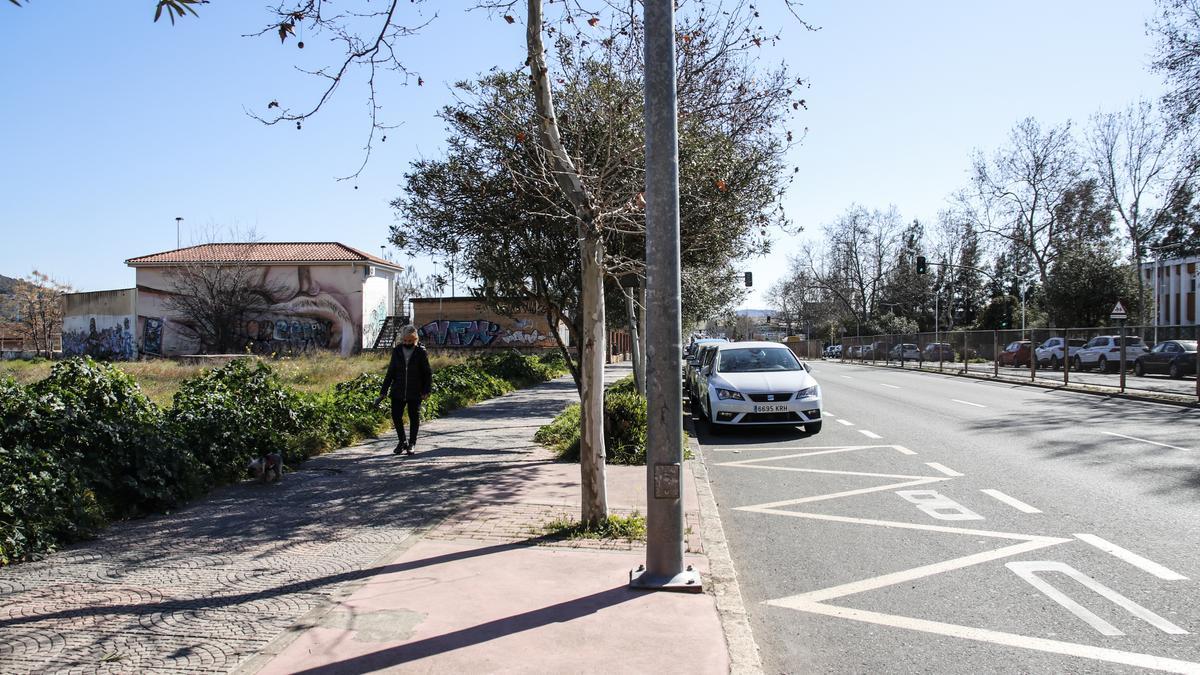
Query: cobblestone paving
[203, 589]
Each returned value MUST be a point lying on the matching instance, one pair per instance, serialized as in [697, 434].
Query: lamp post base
[687, 581]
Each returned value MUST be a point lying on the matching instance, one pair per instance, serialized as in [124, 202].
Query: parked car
[1176, 358]
[758, 384]
[853, 351]
[938, 351]
[695, 383]
[1050, 352]
[905, 352]
[691, 363]
[1016, 354]
[1104, 352]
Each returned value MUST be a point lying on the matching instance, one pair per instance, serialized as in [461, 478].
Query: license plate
[770, 408]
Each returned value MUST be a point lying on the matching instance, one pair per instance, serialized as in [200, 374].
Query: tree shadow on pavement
[485, 632]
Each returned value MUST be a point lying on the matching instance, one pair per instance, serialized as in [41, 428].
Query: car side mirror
[691, 360]
[706, 370]
[807, 368]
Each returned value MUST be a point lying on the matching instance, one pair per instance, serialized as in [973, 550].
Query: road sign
[1118, 312]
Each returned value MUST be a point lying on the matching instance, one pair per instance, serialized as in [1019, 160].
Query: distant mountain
[755, 313]
[6, 284]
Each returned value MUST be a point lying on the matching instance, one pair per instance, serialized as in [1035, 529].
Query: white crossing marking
[903, 450]
[938, 505]
[1131, 558]
[892, 386]
[943, 468]
[848, 377]
[845, 422]
[1028, 570]
[827, 413]
[967, 403]
[1142, 440]
[1011, 501]
[997, 637]
[869, 434]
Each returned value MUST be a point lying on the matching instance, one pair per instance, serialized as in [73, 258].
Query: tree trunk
[591, 248]
[591, 432]
[634, 335]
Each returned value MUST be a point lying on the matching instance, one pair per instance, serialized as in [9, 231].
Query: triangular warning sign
[1118, 311]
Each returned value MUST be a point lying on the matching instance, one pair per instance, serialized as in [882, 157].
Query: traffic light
[749, 278]
[922, 268]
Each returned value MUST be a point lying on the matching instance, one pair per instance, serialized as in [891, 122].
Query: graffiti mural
[287, 336]
[115, 342]
[460, 333]
[152, 330]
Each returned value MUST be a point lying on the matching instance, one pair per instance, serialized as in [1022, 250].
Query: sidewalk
[365, 561]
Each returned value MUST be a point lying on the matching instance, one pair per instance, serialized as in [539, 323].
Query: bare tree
[862, 250]
[1177, 26]
[1144, 166]
[1016, 197]
[37, 307]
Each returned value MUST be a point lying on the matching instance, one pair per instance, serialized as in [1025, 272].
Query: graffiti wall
[104, 337]
[464, 323]
[100, 324]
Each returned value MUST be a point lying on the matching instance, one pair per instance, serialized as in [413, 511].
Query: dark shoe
[401, 448]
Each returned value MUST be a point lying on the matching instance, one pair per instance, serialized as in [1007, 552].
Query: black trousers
[414, 418]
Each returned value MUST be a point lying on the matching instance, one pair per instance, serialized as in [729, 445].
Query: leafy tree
[1086, 281]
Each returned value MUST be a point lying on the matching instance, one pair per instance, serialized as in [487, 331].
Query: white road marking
[1142, 440]
[967, 403]
[1011, 501]
[1001, 638]
[847, 377]
[1131, 558]
[869, 434]
[937, 505]
[891, 386]
[1028, 570]
[827, 413]
[903, 450]
[845, 422]
[943, 468]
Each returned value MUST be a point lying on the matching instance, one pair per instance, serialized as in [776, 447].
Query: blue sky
[111, 126]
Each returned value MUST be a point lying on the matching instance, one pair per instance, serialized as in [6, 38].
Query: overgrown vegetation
[624, 427]
[85, 446]
[629, 528]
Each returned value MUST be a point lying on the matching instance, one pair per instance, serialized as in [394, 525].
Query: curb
[743, 651]
[1146, 398]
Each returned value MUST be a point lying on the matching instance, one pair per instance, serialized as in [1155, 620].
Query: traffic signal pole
[664, 568]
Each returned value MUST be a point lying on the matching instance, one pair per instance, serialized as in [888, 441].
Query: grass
[629, 528]
[160, 378]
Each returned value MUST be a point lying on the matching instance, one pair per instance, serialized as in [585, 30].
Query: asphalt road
[944, 525]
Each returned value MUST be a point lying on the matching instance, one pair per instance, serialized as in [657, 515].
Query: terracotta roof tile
[261, 252]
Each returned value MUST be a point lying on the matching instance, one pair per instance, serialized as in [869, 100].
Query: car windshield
[757, 359]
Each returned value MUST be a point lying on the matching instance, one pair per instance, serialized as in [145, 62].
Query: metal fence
[993, 353]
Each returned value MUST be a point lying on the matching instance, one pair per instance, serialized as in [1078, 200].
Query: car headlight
[729, 393]
[809, 392]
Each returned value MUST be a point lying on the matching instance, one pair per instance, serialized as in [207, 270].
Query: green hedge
[84, 446]
[624, 427]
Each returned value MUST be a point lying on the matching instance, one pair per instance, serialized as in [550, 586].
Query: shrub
[459, 386]
[42, 503]
[624, 427]
[229, 415]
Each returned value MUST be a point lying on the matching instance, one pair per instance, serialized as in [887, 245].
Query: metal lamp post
[664, 568]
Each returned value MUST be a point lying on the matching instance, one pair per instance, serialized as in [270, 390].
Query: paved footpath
[363, 561]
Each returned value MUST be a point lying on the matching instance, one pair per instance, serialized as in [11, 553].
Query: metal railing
[1027, 354]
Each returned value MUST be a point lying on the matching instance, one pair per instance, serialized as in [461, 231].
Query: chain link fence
[1093, 356]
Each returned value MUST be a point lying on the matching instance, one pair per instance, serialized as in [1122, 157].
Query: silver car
[759, 384]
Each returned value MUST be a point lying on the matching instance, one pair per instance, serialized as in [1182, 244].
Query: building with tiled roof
[316, 296]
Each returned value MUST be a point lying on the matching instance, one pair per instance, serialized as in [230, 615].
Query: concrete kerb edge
[1041, 385]
[723, 583]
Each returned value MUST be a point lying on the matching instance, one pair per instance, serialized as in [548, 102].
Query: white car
[1104, 353]
[759, 384]
[1050, 352]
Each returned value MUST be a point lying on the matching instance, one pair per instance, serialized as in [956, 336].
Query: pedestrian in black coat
[410, 379]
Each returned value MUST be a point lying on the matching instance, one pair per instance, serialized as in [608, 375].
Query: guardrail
[993, 353]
